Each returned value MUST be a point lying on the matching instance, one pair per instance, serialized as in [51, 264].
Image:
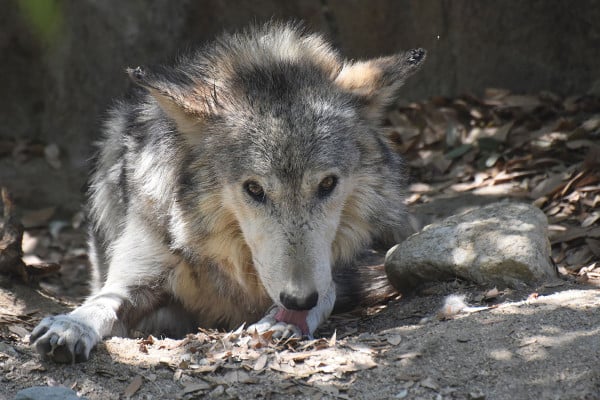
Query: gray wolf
[232, 187]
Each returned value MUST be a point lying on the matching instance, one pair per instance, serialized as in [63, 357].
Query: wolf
[233, 187]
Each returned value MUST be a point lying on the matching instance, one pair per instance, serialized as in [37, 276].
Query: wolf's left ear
[186, 102]
[376, 82]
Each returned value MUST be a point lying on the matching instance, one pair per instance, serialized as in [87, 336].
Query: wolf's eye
[255, 191]
[327, 185]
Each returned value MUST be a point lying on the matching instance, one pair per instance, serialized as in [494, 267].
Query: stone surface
[47, 393]
[503, 243]
[65, 62]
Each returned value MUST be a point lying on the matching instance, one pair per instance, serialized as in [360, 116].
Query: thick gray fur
[176, 238]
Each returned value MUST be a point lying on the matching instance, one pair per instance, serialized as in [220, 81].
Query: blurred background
[62, 62]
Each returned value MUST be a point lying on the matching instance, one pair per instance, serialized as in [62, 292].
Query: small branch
[11, 252]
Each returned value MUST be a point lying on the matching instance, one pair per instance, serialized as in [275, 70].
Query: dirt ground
[536, 343]
[542, 343]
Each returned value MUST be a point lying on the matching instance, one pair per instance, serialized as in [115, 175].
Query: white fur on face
[275, 254]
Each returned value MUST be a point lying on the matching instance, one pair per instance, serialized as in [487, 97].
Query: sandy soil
[542, 343]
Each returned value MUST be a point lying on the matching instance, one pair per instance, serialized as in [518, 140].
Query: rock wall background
[62, 62]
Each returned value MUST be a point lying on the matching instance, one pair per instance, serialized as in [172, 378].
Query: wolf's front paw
[280, 329]
[64, 339]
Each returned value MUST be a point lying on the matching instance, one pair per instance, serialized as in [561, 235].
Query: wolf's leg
[315, 317]
[132, 288]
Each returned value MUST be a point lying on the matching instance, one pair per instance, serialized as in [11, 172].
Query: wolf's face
[292, 132]
[290, 228]
[289, 183]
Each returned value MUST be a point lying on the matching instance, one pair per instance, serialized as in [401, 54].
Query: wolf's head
[291, 135]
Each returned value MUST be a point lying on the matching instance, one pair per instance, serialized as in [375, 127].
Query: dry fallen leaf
[528, 342]
[134, 386]
[591, 219]
[196, 386]
[260, 363]
[18, 330]
[333, 339]
[491, 294]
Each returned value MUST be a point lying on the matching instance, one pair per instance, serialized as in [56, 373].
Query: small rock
[47, 393]
[216, 392]
[429, 384]
[150, 377]
[477, 395]
[394, 340]
[505, 244]
[8, 350]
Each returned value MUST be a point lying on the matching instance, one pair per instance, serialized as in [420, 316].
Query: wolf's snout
[298, 303]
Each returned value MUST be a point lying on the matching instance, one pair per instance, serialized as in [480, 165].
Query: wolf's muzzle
[298, 303]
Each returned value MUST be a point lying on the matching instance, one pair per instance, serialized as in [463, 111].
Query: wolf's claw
[64, 339]
[281, 330]
[263, 325]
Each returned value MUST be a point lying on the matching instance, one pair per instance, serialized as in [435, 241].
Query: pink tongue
[297, 318]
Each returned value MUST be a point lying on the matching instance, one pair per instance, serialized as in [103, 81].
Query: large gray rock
[504, 244]
[47, 393]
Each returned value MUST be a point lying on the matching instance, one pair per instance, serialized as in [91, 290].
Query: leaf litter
[241, 358]
[541, 148]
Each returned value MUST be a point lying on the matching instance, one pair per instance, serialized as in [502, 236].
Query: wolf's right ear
[376, 82]
[186, 102]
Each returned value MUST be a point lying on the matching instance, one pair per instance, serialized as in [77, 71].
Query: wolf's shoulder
[134, 121]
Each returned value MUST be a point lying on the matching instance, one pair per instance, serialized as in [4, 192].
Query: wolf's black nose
[299, 303]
